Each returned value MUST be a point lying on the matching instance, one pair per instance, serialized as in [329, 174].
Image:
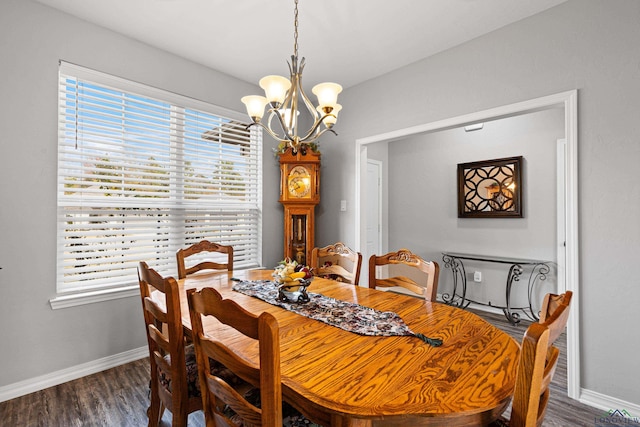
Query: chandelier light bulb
[289, 119]
[255, 106]
[327, 93]
[275, 89]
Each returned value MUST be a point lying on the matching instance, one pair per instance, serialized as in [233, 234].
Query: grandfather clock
[299, 194]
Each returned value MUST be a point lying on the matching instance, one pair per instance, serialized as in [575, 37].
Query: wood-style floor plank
[119, 397]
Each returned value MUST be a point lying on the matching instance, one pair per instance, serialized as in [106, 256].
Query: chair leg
[155, 411]
[179, 419]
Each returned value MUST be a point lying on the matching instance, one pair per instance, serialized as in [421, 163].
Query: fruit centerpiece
[292, 279]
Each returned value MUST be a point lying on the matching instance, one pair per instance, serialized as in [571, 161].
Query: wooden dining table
[339, 378]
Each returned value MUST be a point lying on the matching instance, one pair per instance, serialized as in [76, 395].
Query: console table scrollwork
[539, 271]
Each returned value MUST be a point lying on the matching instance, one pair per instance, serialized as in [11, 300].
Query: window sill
[73, 300]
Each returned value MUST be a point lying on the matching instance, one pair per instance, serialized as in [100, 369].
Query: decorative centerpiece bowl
[293, 279]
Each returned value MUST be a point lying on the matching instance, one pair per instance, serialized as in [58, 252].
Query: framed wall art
[490, 188]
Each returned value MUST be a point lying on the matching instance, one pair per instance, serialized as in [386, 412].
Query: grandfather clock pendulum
[299, 194]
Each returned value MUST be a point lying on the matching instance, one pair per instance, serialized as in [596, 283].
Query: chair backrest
[203, 246]
[216, 392]
[428, 289]
[337, 261]
[538, 361]
[165, 337]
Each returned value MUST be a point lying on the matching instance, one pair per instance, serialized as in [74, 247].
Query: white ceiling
[345, 41]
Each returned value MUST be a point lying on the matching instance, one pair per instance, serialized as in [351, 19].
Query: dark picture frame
[490, 188]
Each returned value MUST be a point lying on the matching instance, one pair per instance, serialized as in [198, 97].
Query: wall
[589, 45]
[37, 340]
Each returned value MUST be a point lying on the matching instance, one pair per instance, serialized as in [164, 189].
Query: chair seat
[193, 383]
[291, 417]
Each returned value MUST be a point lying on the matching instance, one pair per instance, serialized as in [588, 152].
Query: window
[142, 173]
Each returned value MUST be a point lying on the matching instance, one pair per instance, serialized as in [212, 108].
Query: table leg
[539, 272]
[458, 272]
[515, 271]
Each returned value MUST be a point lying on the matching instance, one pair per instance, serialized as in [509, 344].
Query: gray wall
[589, 45]
[36, 339]
[422, 181]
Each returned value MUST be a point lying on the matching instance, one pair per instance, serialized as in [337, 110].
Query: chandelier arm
[314, 138]
[303, 95]
[269, 131]
[310, 137]
[315, 114]
[287, 135]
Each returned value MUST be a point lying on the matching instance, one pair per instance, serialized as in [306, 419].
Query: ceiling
[345, 41]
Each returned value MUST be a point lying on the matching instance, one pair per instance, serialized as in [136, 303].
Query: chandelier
[284, 95]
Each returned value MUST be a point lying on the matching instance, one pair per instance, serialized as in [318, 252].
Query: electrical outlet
[477, 276]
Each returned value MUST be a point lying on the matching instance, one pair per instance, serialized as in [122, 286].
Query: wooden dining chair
[430, 269]
[538, 361]
[204, 264]
[174, 372]
[337, 261]
[222, 404]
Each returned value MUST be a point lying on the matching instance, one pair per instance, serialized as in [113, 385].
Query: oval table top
[339, 378]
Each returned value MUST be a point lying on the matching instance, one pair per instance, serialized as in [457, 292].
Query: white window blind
[144, 172]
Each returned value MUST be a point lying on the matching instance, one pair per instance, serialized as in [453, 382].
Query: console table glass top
[539, 271]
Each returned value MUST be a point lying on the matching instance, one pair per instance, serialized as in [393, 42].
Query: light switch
[343, 205]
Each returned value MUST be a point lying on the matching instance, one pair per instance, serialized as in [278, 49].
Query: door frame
[379, 238]
[569, 101]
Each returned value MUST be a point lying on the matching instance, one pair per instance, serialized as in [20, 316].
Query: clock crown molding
[308, 156]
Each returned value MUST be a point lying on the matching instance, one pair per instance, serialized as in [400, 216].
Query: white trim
[604, 402]
[561, 235]
[568, 100]
[572, 278]
[73, 300]
[378, 164]
[504, 111]
[31, 385]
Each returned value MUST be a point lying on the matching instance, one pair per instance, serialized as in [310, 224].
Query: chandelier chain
[295, 29]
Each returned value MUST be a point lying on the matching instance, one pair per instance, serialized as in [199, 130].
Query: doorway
[569, 221]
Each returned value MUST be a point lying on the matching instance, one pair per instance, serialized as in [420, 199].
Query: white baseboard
[31, 385]
[607, 403]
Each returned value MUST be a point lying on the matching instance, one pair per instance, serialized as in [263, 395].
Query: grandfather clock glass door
[299, 234]
[299, 194]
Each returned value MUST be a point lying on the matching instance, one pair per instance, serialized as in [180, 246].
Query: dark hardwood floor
[118, 397]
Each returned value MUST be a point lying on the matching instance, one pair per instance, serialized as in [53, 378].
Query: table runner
[345, 315]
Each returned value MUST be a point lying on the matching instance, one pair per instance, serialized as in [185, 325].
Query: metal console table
[454, 261]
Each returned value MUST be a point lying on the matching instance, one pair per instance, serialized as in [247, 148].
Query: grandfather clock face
[299, 183]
